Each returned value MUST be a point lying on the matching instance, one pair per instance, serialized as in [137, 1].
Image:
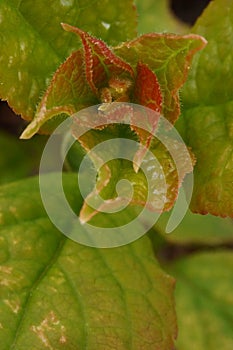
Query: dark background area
[186, 10]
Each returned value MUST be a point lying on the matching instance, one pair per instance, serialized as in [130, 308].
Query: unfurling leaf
[169, 56]
[120, 74]
[94, 74]
[100, 62]
[67, 93]
[148, 71]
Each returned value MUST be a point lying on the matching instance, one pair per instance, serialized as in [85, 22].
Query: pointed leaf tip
[100, 62]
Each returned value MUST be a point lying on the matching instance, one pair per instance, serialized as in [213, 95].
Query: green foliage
[88, 76]
[207, 112]
[204, 301]
[55, 293]
[35, 43]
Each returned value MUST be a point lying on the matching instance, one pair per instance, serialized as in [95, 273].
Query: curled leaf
[161, 62]
[100, 62]
[169, 56]
[87, 76]
[67, 93]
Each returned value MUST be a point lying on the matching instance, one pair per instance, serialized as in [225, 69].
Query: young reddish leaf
[100, 62]
[147, 90]
[88, 74]
[111, 78]
[169, 57]
[147, 93]
[67, 93]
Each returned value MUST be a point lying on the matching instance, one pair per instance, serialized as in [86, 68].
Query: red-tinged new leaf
[169, 56]
[147, 90]
[99, 75]
[147, 93]
[89, 76]
[100, 62]
[67, 93]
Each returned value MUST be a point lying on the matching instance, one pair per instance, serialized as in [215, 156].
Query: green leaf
[207, 122]
[35, 44]
[58, 294]
[198, 229]
[204, 301]
[169, 57]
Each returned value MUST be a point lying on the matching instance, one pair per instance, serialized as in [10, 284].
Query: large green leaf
[207, 122]
[56, 294]
[204, 301]
[34, 44]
